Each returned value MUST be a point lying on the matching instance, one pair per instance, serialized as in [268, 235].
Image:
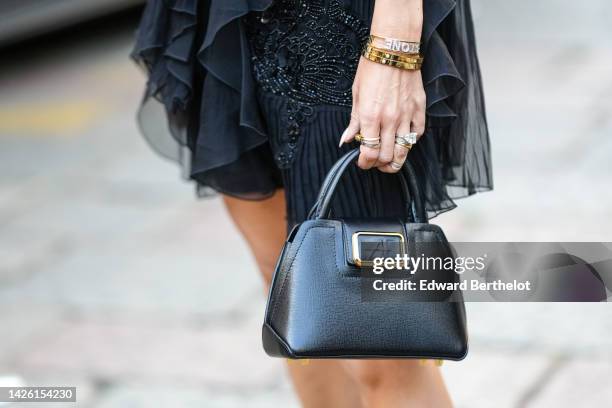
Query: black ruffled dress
[253, 95]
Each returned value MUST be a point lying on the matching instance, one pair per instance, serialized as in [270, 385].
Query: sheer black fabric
[252, 95]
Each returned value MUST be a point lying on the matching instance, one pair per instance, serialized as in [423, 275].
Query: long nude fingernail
[342, 138]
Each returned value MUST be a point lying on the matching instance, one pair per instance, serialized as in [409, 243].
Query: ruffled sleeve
[200, 104]
[453, 159]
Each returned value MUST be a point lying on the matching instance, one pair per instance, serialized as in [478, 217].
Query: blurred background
[110, 279]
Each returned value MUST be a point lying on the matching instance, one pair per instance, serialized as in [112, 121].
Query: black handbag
[316, 306]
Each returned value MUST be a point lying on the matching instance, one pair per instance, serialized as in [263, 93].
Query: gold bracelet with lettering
[393, 44]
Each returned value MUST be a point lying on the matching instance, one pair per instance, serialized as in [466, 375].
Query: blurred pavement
[110, 278]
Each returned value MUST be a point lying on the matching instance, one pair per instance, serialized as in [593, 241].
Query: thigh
[263, 225]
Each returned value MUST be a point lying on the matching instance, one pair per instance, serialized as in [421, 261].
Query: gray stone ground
[110, 279]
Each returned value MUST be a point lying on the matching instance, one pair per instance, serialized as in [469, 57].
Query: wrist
[398, 19]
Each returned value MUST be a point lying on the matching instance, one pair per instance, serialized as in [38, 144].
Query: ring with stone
[408, 139]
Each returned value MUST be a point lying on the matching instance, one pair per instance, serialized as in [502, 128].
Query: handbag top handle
[408, 184]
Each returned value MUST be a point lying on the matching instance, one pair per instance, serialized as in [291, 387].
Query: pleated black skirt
[252, 96]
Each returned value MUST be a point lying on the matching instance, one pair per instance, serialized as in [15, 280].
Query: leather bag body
[315, 306]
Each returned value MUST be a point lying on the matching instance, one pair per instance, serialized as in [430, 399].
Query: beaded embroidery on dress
[306, 51]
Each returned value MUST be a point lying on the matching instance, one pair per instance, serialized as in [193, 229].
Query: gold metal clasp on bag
[367, 245]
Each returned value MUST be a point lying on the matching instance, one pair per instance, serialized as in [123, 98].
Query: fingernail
[342, 138]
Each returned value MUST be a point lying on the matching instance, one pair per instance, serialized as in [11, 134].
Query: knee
[372, 375]
[405, 382]
[369, 374]
[370, 380]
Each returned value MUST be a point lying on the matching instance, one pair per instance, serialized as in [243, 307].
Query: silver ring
[396, 166]
[371, 145]
[410, 138]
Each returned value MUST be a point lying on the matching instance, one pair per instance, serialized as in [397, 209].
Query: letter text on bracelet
[393, 44]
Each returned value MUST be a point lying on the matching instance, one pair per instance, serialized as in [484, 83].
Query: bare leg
[336, 383]
[263, 225]
[399, 383]
[319, 384]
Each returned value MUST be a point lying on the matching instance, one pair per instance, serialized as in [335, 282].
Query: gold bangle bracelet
[395, 64]
[381, 54]
[391, 63]
[411, 59]
[370, 46]
[393, 44]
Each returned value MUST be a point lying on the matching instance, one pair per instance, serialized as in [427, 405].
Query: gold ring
[360, 138]
[371, 142]
[403, 143]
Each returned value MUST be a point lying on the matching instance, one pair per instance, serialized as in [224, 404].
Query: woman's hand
[388, 101]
